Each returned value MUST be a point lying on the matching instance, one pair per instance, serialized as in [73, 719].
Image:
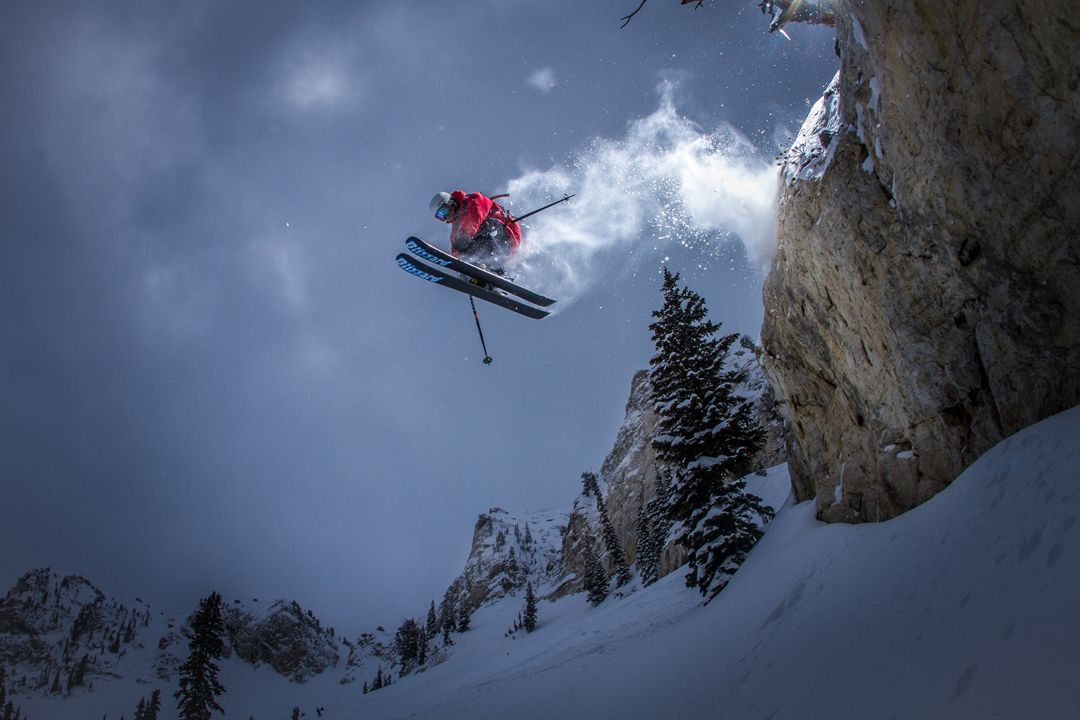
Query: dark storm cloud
[214, 377]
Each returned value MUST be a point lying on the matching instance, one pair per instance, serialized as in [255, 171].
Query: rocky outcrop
[924, 302]
[508, 551]
[283, 636]
[58, 634]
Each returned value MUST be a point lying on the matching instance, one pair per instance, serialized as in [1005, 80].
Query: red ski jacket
[473, 210]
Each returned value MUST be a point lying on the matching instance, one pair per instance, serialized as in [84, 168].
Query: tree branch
[626, 20]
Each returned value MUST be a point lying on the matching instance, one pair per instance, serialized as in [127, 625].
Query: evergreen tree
[529, 619]
[114, 646]
[199, 686]
[153, 706]
[365, 687]
[463, 618]
[612, 545]
[589, 484]
[707, 435]
[511, 562]
[407, 641]
[422, 647]
[140, 710]
[596, 583]
[646, 548]
[432, 621]
[447, 612]
[527, 541]
[296, 713]
[3, 684]
[446, 640]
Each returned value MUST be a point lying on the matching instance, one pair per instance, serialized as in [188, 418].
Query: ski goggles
[445, 210]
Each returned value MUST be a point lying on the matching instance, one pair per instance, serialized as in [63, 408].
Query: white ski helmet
[442, 205]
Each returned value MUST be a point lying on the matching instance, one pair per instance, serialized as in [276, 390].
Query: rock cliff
[924, 301]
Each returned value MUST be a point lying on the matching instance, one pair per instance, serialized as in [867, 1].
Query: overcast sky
[213, 376]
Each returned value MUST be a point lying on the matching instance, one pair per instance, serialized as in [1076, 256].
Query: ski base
[434, 255]
[442, 277]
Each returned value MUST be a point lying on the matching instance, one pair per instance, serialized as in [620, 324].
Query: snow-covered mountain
[964, 607]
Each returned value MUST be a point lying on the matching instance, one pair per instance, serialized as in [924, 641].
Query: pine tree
[612, 545]
[140, 710]
[365, 687]
[296, 713]
[446, 640]
[589, 484]
[596, 583]
[407, 641]
[447, 612]
[646, 548]
[707, 435]
[199, 686]
[153, 706]
[432, 621]
[421, 647]
[527, 541]
[529, 618]
[463, 618]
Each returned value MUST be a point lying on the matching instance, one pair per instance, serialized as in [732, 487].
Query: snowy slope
[965, 607]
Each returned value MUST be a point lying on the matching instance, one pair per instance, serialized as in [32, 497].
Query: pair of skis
[474, 281]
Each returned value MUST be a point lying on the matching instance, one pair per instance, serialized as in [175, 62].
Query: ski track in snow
[965, 607]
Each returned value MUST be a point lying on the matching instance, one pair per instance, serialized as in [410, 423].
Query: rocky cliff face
[283, 636]
[924, 301]
[58, 635]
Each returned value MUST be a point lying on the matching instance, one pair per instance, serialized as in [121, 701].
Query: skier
[482, 232]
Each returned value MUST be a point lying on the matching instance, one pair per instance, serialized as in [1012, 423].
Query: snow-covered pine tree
[707, 435]
[199, 686]
[596, 582]
[463, 618]
[528, 620]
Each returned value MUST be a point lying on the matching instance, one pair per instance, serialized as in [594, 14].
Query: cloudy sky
[213, 376]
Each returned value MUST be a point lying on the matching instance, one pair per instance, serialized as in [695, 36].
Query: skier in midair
[482, 232]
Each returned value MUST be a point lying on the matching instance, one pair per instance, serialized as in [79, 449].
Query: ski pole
[530, 214]
[487, 358]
